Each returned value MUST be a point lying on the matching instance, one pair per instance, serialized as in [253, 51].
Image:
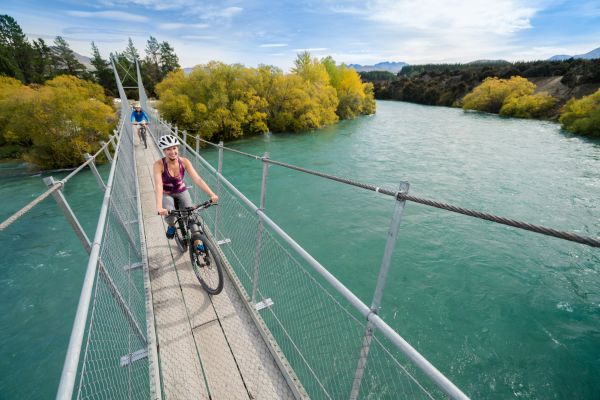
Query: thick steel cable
[58, 185]
[29, 206]
[572, 237]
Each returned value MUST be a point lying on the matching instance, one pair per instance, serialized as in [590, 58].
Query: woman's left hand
[214, 198]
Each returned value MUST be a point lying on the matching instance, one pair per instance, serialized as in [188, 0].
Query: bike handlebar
[189, 210]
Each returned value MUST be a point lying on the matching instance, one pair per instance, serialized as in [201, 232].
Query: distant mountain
[588, 56]
[86, 61]
[393, 67]
[188, 70]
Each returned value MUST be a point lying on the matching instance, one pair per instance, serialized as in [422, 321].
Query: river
[503, 313]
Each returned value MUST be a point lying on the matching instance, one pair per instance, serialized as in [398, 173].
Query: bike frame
[185, 216]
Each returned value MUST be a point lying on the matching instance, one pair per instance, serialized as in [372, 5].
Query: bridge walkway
[208, 346]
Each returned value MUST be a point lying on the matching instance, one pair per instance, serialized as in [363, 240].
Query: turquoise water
[503, 313]
[42, 265]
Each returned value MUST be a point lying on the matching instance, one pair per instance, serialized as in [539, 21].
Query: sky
[253, 32]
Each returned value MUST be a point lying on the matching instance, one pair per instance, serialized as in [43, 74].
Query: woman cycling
[169, 172]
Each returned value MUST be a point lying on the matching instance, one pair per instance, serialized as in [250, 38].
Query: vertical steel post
[176, 132]
[184, 149]
[95, 171]
[219, 172]
[381, 280]
[112, 139]
[106, 151]
[263, 193]
[68, 212]
[85, 241]
[197, 144]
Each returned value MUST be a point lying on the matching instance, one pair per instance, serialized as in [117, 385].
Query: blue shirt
[139, 116]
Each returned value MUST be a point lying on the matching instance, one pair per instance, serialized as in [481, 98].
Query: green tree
[43, 62]
[150, 65]
[168, 59]
[66, 62]
[131, 52]
[103, 73]
[15, 51]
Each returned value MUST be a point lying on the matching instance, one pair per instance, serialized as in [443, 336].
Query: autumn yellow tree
[528, 106]
[57, 122]
[216, 99]
[223, 101]
[15, 104]
[491, 94]
[582, 115]
[355, 98]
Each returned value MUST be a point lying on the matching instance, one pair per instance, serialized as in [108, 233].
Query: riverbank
[427, 89]
[448, 84]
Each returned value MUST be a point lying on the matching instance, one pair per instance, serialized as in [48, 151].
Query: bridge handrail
[69, 372]
[570, 236]
[425, 366]
[57, 185]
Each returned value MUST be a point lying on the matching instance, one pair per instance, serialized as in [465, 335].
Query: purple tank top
[172, 184]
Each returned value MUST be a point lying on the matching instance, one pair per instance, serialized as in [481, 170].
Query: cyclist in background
[169, 172]
[139, 117]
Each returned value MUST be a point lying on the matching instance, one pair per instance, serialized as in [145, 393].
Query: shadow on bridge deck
[207, 346]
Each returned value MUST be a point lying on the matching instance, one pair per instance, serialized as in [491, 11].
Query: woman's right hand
[162, 211]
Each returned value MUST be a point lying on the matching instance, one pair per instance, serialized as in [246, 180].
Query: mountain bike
[206, 261]
[142, 133]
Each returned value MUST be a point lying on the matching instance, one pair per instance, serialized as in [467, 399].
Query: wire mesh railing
[112, 342]
[320, 328]
[114, 361]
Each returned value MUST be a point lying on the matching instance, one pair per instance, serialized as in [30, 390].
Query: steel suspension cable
[57, 185]
[572, 237]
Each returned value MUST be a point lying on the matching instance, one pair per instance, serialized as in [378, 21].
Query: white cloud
[273, 45]
[178, 25]
[215, 13]
[199, 37]
[158, 5]
[80, 30]
[499, 17]
[313, 49]
[114, 15]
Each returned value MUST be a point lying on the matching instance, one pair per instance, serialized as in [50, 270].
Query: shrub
[491, 94]
[528, 106]
[582, 116]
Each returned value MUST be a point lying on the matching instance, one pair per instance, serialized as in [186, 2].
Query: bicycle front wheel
[144, 138]
[180, 239]
[207, 265]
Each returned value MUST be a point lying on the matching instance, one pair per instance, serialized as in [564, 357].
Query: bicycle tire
[207, 265]
[180, 234]
[144, 137]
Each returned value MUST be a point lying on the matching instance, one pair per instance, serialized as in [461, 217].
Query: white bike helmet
[167, 141]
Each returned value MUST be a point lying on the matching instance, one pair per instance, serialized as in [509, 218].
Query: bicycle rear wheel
[207, 265]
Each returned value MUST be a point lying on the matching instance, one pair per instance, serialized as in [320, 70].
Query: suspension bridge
[282, 328]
